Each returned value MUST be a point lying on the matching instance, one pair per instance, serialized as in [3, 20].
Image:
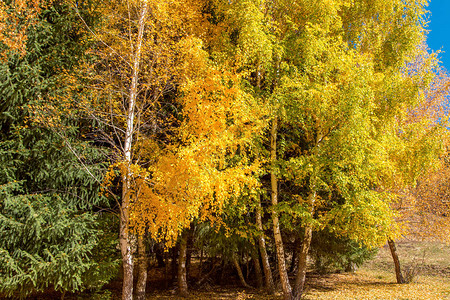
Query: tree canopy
[270, 122]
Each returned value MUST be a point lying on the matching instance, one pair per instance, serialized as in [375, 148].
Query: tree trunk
[295, 251]
[166, 270]
[189, 252]
[268, 278]
[222, 274]
[287, 290]
[398, 271]
[142, 268]
[301, 262]
[258, 272]
[303, 254]
[125, 241]
[159, 253]
[174, 262]
[125, 238]
[239, 271]
[211, 272]
[127, 256]
[201, 263]
[258, 76]
[182, 280]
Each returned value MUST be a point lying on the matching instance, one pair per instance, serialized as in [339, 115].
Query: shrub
[331, 253]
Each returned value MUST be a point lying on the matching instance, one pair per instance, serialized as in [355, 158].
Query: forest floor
[429, 261]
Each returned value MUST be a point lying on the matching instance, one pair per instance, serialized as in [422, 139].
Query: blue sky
[439, 26]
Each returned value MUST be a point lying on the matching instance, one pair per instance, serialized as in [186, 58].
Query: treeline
[249, 133]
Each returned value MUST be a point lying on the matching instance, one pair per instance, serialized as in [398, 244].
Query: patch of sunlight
[369, 285]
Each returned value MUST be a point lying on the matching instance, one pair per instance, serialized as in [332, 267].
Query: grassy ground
[430, 261]
[374, 280]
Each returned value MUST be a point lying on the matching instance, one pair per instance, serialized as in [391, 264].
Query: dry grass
[370, 284]
[375, 280]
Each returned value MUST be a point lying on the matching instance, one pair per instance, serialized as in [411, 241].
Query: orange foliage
[15, 19]
[195, 178]
[188, 173]
[433, 204]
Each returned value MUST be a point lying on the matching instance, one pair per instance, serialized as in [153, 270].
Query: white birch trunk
[125, 239]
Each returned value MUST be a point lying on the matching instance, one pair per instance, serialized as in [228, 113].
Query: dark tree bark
[166, 270]
[301, 261]
[159, 253]
[398, 271]
[182, 276]
[257, 265]
[127, 256]
[239, 271]
[174, 262]
[268, 278]
[295, 251]
[214, 269]
[201, 264]
[142, 268]
[303, 254]
[189, 252]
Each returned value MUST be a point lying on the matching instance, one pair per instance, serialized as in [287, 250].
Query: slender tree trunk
[258, 76]
[268, 278]
[295, 251]
[303, 254]
[125, 238]
[214, 268]
[159, 253]
[301, 262]
[125, 241]
[174, 262]
[166, 270]
[127, 256]
[142, 268]
[189, 252]
[201, 263]
[287, 290]
[257, 265]
[182, 280]
[222, 274]
[239, 271]
[398, 271]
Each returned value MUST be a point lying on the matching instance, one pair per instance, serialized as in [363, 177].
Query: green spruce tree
[49, 202]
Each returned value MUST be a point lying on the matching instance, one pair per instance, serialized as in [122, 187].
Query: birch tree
[169, 114]
[332, 89]
[133, 67]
